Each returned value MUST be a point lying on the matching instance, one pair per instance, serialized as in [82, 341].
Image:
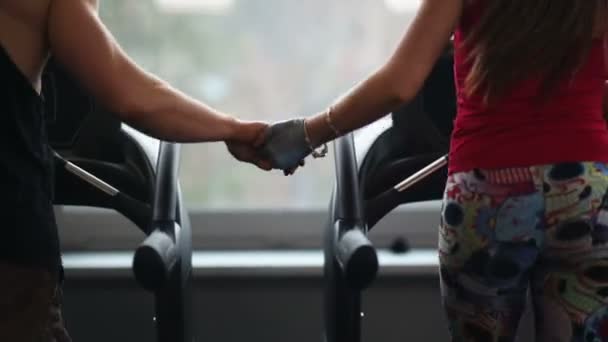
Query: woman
[525, 200]
[72, 31]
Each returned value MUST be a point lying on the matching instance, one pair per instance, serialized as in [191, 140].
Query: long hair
[518, 39]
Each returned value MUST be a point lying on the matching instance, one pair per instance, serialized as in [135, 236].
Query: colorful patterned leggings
[541, 231]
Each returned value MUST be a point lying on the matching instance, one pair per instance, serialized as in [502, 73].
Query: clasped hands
[282, 145]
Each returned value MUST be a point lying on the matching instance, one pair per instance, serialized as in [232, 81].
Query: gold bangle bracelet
[330, 123]
[315, 153]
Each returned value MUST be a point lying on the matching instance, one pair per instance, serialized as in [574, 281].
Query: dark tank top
[28, 231]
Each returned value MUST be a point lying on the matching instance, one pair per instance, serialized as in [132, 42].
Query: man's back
[23, 35]
[31, 255]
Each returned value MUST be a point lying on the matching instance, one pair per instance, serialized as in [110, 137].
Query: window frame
[94, 229]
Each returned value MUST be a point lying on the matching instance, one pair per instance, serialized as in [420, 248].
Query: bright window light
[401, 6]
[196, 6]
[257, 60]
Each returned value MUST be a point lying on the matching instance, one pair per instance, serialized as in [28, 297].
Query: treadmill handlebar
[135, 210]
[354, 252]
[422, 174]
[86, 176]
[156, 257]
[349, 204]
[165, 198]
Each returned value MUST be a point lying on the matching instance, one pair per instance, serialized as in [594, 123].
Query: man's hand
[248, 154]
[249, 132]
[248, 138]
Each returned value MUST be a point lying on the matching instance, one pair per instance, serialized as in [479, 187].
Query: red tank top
[519, 130]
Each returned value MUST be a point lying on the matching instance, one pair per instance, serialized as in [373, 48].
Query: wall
[260, 309]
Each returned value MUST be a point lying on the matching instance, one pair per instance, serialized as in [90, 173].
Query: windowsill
[422, 262]
[92, 229]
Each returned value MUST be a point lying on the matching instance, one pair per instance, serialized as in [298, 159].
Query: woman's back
[523, 127]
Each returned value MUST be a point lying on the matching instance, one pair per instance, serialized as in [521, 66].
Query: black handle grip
[357, 257]
[154, 260]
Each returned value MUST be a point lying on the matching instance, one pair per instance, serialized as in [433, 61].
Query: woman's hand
[286, 145]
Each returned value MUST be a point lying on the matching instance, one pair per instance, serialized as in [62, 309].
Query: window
[267, 60]
[259, 59]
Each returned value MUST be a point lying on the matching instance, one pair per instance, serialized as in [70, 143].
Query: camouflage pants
[541, 231]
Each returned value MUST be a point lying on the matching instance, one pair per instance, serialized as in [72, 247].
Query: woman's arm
[400, 79]
[82, 43]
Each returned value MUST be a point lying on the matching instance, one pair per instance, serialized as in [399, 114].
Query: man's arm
[82, 43]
